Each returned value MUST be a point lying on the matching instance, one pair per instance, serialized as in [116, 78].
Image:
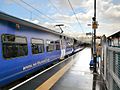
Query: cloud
[113, 14]
[83, 18]
[64, 4]
[63, 18]
[108, 15]
[108, 28]
[33, 21]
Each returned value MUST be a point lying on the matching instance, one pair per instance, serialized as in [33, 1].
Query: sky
[49, 13]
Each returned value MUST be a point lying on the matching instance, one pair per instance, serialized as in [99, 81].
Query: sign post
[94, 26]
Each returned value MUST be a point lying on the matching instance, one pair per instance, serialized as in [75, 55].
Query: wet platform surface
[80, 77]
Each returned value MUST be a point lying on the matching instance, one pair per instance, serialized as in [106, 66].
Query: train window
[57, 43]
[14, 46]
[50, 46]
[37, 46]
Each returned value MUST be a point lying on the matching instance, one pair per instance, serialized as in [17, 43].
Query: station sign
[94, 25]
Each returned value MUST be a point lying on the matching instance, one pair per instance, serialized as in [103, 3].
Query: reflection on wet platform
[80, 77]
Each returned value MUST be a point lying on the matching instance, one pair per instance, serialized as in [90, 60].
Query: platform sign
[94, 25]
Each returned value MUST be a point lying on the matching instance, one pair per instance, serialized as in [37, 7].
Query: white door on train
[63, 48]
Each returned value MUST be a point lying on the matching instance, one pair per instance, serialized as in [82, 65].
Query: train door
[63, 47]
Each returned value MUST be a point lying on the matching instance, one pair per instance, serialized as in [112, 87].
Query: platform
[80, 77]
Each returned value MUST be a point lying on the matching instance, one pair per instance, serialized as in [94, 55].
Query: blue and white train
[26, 47]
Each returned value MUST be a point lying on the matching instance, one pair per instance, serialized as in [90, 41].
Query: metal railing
[110, 67]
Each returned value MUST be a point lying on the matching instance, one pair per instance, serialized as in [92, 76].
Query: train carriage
[26, 47]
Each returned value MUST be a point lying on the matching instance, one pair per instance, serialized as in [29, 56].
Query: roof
[16, 20]
[117, 34]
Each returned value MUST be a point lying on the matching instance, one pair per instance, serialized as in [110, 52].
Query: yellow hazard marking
[52, 80]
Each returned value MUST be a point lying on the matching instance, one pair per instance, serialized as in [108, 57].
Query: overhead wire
[75, 16]
[21, 5]
[35, 13]
[27, 10]
[57, 10]
[43, 13]
[38, 11]
[54, 6]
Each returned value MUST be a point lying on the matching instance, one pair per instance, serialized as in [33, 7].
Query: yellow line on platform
[52, 80]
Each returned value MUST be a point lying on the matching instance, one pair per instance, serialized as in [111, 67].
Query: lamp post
[94, 26]
[59, 25]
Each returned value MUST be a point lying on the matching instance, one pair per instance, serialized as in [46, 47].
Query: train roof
[115, 35]
[16, 20]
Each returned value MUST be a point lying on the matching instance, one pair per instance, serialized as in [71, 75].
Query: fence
[110, 67]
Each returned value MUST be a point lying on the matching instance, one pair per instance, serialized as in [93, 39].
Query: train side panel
[17, 67]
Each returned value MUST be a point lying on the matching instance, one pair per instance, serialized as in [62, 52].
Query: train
[26, 47]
